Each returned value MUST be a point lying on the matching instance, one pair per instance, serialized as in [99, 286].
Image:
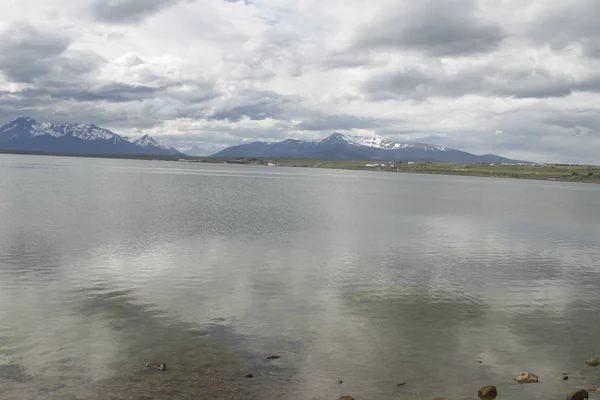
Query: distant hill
[196, 151]
[343, 147]
[26, 134]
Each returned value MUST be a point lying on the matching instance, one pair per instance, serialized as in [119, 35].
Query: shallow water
[371, 278]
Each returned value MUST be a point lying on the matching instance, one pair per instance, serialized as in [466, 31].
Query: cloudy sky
[511, 77]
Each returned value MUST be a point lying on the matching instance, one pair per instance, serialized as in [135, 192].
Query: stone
[565, 378]
[346, 398]
[526, 377]
[249, 376]
[592, 362]
[487, 392]
[273, 357]
[340, 382]
[160, 366]
[578, 395]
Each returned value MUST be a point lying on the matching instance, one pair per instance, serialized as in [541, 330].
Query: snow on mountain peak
[376, 142]
[146, 141]
[28, 127]
[25, 133]
[337, 138]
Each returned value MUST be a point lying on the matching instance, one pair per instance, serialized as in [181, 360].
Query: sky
[510, 77]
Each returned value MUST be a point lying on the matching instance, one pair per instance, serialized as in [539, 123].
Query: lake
[445, 283]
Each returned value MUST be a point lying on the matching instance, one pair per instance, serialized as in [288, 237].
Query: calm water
[371, 278]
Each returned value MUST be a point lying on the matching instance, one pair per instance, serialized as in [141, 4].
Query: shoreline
[547, 172]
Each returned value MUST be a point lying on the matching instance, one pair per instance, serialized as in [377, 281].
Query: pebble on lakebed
[487, 392]
[527, 377]
[578, 395]
[592, 362]
[160, 366]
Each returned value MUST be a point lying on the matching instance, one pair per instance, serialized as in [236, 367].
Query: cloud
[127, 11]
[436, 28]
[515, 80]
[339, 122]
[27, 52]
[568, 23]
[451, 72]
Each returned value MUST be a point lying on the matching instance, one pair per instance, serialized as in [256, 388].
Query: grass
[554, 172]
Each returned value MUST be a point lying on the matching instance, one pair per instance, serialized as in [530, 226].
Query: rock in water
[155, 365]
[487, 392]
[527, 377]
[592, 362]
[578, 395]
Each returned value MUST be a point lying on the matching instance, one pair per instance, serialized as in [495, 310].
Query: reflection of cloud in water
[198, 364]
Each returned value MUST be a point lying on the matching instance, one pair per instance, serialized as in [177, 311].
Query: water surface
[371, 278]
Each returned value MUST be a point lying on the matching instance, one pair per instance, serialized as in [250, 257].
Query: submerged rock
[578, 395]
[487, 392]
[592, 362]
[526, 377]
[160, 366]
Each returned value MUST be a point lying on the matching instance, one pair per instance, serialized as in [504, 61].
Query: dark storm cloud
[486, 80]
[127, 11]
[27, 53]
[436, 28]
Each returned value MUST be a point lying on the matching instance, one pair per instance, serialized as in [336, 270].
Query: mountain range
[344, 147]
[26, 134]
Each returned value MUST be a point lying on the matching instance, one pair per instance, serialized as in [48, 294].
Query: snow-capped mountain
[389, 145]
[344, 147]
[26, 134]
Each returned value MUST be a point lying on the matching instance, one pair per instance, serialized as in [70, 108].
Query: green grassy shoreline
[551, 172]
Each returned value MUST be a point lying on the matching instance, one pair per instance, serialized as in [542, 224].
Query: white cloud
[212, 71]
